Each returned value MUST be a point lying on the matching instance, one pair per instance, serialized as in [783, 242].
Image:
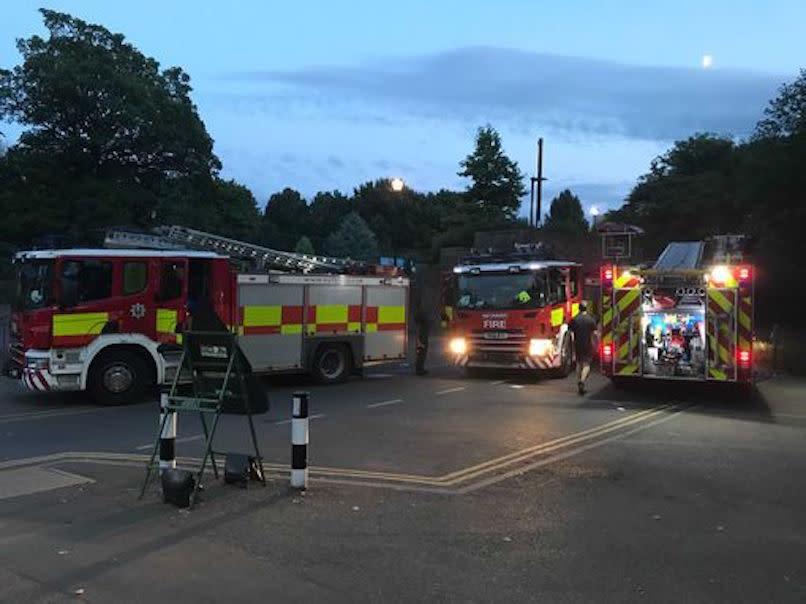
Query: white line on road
[517, 386]
[288, 421]
[498, 382]
[21, 417]
[385, 403]
[186, 439]
[450, 390]
[379, 376]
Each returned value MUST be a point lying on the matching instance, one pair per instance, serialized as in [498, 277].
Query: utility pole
[534, 216]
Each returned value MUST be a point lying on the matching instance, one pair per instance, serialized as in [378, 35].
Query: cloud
[524, 89]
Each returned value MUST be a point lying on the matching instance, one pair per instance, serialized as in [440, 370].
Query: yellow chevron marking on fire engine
[391, 314]
[166, 320]
[717, 374]
[744, 320]
[623, 350]
[557, 316]
[628, 299]
[744, 344]
[624, 278]
[79, 324]
[291, 330]
[331, 313]
[262, 316]
[628, 370]
[574, 309]
[718, 297]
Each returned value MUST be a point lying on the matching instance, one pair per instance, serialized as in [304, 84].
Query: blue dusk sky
[323, 95]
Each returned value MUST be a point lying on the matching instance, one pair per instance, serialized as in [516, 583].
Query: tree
[497, 183]
[566, 215]
[327, 210]
[786, 113]
[353, 239]
[111, 138]
[284, 219]
[304, 246]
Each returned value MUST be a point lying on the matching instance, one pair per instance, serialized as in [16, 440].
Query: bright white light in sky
[707, 61]
[594, 211]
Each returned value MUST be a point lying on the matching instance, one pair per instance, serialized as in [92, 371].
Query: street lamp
[397, 185]
[594, 212]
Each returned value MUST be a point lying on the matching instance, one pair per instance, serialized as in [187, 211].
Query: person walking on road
[583, 326]
[421, 325]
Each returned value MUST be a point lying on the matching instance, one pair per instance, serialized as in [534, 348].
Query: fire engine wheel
[118, 378]
[331, 364]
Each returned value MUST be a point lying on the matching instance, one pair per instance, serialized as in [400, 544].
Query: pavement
[444, 488]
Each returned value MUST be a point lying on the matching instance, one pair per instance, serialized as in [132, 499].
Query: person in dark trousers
[421, 326]
[583, 326]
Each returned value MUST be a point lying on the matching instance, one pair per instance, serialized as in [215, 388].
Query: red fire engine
[512, 311]
[106, 320]
[682, 319]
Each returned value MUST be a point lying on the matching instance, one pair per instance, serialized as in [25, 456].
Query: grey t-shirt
[583, 326]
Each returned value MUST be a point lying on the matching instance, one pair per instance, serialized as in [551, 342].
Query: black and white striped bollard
[168, 436]
[299, 441]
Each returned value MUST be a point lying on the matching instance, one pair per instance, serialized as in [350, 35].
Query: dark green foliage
[353, 239]
[497, 183]
[566, 215]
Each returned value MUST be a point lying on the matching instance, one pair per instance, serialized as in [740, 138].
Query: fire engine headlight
[539, 347]
[458, 346]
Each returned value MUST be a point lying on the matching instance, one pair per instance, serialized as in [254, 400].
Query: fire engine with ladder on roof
[689, 316]
[109, 320]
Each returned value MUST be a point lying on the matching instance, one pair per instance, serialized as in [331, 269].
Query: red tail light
[607, 273]
[607, 351]
[744, 273]
[744, 357]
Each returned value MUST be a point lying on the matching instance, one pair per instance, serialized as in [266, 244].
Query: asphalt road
[422, 489]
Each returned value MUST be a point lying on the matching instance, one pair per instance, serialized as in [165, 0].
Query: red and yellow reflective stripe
[271, 319]
[386, 318]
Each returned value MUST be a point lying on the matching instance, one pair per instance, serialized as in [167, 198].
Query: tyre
[119, 377]
[331, 364]
[566, 360]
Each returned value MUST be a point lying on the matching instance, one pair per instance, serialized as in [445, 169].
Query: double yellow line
[499, 463]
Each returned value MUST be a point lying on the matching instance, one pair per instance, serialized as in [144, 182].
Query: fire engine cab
[512, 311]
[110, 320]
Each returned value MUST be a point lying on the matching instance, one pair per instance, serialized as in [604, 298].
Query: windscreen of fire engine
[501, 291]
[34, 285]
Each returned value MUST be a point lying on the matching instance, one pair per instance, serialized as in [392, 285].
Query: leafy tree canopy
[786, 113]
[304, 246]
[566, 215]
[496, 181]
[353, 239]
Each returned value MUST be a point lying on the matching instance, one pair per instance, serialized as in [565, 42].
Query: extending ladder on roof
[179, 237]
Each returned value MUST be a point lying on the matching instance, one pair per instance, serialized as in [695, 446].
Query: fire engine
[110, 320]
[683, 318]
[511, 310]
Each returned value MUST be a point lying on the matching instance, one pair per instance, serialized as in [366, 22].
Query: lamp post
[594, 212]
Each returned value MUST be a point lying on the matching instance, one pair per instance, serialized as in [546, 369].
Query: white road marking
[516, 386]
[21, 417]
[791, 415]
[379, 376]
[498, 383]
[385, 403]
[450, 390]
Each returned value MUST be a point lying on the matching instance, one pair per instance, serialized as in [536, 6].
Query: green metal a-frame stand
[218, 371]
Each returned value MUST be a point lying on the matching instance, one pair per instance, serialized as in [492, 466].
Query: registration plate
[496, 335]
